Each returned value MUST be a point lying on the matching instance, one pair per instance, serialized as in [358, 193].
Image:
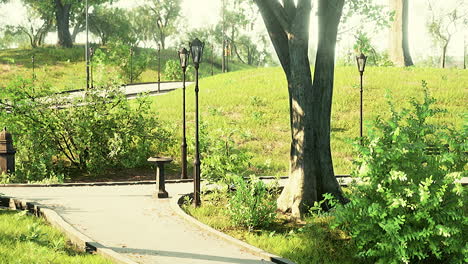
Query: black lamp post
[86, 46]
[33, 68]
[159, 68]
[131, 65]
[91, 54]
[361, 63]
[196, 48]
[184, 58]
[212, 59]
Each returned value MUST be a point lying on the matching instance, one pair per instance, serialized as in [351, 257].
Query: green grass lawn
[311, 242]
[65, 69]
[254, 103]
[28, 239]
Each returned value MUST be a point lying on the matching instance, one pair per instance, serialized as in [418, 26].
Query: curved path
[130, 221]
[133, 90]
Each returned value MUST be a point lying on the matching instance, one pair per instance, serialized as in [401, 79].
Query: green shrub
[220, 154]
[251, 205]
[91, 133]
[173, 71]
[406, 206]
[119, 55]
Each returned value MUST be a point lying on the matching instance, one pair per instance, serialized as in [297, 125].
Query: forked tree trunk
[398, 46]
[444, 55]
[62, 16]
[311, 167]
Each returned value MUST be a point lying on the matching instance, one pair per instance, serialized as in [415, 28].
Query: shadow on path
[186, 255]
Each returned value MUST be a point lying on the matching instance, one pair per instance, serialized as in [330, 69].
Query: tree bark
[444, 55]
[62, 16]
[311, 167]
[398, 47]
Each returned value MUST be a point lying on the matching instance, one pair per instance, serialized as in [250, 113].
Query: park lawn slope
[65, 68]
[253, 105]
[28, 239]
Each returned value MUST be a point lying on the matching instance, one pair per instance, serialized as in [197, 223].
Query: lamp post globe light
[183, 58]
[196, 48]
[361, 64]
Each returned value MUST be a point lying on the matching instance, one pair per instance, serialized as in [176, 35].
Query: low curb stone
[175, 205]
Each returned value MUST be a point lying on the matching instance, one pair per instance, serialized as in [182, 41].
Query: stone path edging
[175, 205]
[78, 239]
[78, 184]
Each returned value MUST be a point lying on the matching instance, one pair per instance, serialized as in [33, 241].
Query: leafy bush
[92, 132]
[251, 205]
[407, 206]
[364, 44]
[221, 156]
[173, 71]
[120, 55]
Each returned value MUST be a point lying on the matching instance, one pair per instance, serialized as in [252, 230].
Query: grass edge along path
[310, 242]
[25, 238]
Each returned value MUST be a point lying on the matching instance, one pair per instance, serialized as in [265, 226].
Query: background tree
[362, 20]
[35, 27]
[311, 167]
[444, 22]
[398, 42]
[65, 12]
[111, 24]
[164, 14]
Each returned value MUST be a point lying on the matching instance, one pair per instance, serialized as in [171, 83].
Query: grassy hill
[253, 106]
[65, 69]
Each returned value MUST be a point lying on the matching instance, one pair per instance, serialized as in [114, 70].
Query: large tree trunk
[398, 46]
[62, 16]
[311, 167]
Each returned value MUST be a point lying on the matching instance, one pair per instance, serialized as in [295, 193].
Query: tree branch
[281, 15]
[276, 32]
[290, 8]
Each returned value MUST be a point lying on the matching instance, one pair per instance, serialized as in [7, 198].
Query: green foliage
[363, 44]
[369, 11]
[158, 19]
[111, 24]
[251, 204]
[130, 61]
[173, 71]
[221, 156]
[313, 243]
[407, 206]
[92, 132]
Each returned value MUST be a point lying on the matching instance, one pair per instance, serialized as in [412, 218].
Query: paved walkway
[130, 221]
[133, 90]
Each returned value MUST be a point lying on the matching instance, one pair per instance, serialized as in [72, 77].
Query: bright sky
[200, 13]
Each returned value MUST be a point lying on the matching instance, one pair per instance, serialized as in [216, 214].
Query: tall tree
[165, 13]
[65, 13]
[62, 20]
[444, 22]
[311, 167]
[35, 27]
[111, 24]
[398, 46]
